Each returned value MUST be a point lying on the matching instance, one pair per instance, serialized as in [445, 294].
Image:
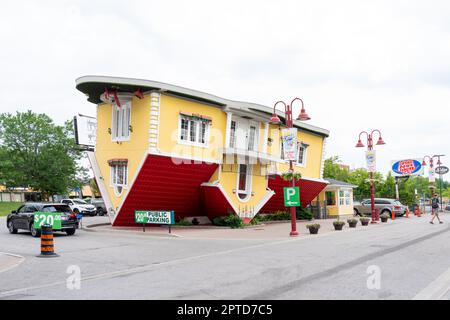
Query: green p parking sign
[292, 197]
[48, 218]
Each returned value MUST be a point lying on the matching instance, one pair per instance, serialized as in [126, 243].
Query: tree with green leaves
[38, 154]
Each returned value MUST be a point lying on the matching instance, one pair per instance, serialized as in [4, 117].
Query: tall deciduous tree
[37, 153]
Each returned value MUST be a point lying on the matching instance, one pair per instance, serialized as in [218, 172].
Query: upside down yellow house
[165, 147]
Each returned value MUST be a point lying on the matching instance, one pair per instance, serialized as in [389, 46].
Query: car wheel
[34, 232]
[11, 227]
[70, 232]
[100, 211]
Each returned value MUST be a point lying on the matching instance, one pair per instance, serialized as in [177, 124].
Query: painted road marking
[9, 261]
[437, 289]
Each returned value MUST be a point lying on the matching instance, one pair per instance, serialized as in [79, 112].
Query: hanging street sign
[291, 197]
[442, 170]
[408, 167]
[371, 161]
[48, 218]
[289, 141]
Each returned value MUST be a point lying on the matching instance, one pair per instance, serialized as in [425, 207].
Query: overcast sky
[358, 65]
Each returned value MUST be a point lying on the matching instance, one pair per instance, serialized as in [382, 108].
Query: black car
[23, 218]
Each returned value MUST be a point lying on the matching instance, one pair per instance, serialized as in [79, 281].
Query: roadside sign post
[441, 170]
[292, 197]
[154, 217]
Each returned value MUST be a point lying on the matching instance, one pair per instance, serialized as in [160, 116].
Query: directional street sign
[292, 197]
[154, 217]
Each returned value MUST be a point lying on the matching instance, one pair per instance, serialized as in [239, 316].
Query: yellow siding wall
[228, 180]
[169, 121]
[133, 150]
[314, 152]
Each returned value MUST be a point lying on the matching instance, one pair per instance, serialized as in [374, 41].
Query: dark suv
[23, 218]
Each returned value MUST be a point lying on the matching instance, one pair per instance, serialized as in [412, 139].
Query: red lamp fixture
[380, 141]
[360, 144]
[275, 119]
[303, 116]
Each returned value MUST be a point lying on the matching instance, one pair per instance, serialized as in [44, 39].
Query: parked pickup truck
[80, 206]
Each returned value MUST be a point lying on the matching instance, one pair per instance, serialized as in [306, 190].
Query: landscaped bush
[183, 223]
[276, 216]
[304, 214]
[231, 220]
[234, 221]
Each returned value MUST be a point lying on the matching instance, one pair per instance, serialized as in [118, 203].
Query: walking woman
[435, 208]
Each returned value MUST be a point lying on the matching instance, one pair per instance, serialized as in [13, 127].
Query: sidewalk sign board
[154, 217]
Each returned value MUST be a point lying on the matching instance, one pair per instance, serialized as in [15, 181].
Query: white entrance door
[246, 135]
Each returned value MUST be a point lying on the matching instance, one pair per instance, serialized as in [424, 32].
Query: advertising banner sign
[85, 130]
[407, 167]
[441, 170]
[48, 218]
[371, 161]
[289, 140]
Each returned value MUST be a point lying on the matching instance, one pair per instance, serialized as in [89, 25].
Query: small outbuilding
[339, 198]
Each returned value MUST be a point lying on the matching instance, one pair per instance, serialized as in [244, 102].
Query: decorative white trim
[124, 198]
[269, 194]
[324, 145]
[266, 137]
[101, 184]
[154, 128]
[228, 129]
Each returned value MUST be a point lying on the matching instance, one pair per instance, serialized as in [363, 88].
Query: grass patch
[7, 207]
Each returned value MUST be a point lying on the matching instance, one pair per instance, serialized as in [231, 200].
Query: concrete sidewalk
[268, 231]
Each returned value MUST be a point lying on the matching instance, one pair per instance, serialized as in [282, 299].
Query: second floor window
[193, 131]
[121, 121]
[301, 154]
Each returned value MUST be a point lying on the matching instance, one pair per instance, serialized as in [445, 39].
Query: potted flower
[338, 225]
[288, 176]
[364, 221]
[384, 217]
[313, 228]
[352, 223]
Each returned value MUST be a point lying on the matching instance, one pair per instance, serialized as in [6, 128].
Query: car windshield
[397, 202]
[56, 208]
[79, 202]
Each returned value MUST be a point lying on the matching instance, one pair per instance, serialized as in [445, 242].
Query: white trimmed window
[193, 131]
[301, 154]
[119, 175]
[345, 197]
[232, 134]
[121, 122]
[244, 182]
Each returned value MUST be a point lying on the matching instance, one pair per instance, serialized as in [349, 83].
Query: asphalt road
[404, 259]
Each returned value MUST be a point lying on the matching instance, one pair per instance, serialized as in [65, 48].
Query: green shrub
[231, 220]
[234, 221]
[304, 214]
[183, 223]
[219, 221]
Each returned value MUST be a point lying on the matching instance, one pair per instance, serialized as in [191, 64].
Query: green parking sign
[50, 218]
[292, 197]
[154, 217]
